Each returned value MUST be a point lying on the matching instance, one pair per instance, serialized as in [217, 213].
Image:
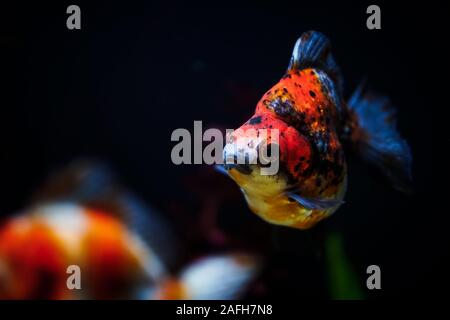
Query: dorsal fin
[313, 50]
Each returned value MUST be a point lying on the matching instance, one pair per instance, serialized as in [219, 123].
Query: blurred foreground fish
[211, 278]
[81, 217]
[313, 122]
[123, 248]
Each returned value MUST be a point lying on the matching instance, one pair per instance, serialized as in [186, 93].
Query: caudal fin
[375, 137]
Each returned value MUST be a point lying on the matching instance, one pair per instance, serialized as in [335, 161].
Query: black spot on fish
[255, 120]
[312, 94]
[285, 90]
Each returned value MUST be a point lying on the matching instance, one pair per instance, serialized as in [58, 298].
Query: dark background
[116, 89]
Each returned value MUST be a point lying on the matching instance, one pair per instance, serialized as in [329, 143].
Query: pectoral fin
[314, 203]
[220, 168]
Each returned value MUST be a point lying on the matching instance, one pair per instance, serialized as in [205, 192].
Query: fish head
[266, 155]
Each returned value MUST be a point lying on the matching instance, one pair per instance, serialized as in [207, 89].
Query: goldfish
[124, 249]
[309, 126]
[37, 249]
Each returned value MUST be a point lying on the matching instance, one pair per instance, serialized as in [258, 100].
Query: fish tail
[372, 130]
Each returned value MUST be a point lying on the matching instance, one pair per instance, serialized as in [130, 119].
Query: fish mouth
[242, 168]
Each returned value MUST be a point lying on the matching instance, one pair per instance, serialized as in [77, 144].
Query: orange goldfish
[305, 119]
[123, 249]
[80, 218]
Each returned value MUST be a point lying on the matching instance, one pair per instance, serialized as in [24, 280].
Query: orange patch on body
[111, 262]
[36, 259]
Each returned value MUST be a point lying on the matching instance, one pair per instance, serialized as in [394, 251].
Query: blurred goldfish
[212, 277]
[123, 248]
[82, 217]
[305, 122]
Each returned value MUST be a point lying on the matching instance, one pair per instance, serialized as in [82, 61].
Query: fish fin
[220, 277]
[220, 168]
[92, 184]
[375, 137]
[313, 50]
[314, 203]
